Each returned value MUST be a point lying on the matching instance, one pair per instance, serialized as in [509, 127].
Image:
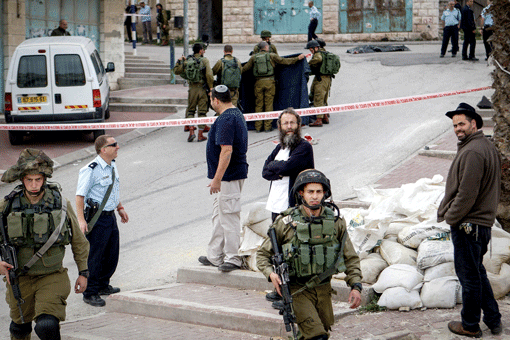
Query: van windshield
[69, 70]
[32, 72]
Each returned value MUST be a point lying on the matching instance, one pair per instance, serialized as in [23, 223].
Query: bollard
[172, 61]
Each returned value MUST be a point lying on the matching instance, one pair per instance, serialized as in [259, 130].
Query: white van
[56, 80]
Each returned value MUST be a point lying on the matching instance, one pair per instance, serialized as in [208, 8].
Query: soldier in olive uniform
[264, 80]
[295, 228]
[197, 93]
[321, 84]
[265, 36]
[218, 72]
[163, 23]
[31, 213]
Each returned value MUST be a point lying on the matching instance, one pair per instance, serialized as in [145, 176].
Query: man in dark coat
[468, 25]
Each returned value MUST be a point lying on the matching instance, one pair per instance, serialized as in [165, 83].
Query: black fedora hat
[469, 111]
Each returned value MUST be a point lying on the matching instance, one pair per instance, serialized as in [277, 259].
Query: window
[69, 70]
[96, 68]
[99, 61]
[32, 72]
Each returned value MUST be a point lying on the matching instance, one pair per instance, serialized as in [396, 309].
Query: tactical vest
[314, 247]
[231, 73]
[30, 226]
[262, 66]
[193, 69]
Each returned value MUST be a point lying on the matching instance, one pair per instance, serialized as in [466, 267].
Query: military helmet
[311, 176]
[265, 34]
[321, 42]
[30, 162]
[311, 44]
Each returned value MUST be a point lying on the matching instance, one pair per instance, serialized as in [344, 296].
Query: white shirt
[278, 199]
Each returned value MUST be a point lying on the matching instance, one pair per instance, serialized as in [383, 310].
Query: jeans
[311, 29]
[476, 289]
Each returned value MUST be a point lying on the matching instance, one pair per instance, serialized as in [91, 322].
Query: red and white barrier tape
[249, 117]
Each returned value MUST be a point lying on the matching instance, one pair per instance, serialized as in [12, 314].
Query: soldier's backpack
[193, 69]
[330, 63]
[262, 66]
[231, 73]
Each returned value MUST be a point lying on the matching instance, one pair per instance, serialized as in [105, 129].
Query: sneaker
[456, 327]
[273, 296]
[474, 59]
[497, 330]
[109, 290]
[441, 56]
[205, 261]
[94, 300]
[228, 267]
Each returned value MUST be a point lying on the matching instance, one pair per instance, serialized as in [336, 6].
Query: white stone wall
[238, 23]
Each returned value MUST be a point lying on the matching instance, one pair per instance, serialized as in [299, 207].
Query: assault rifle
[282, 270]
[8, 254]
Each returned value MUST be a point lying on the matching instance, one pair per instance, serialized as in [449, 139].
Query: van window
[100, 62]
[32, 71]
[96, 68]
[69, 70]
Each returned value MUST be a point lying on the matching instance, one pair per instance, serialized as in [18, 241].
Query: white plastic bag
[396, 297]
[398, 275]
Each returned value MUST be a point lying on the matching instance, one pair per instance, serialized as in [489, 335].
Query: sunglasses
[113, 144]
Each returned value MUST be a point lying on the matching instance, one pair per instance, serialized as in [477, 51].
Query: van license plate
[30, 100]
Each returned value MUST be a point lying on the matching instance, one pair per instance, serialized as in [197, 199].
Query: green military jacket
[79, 243]
[274, 59]
[179, 69]
[272, 49]
[285, 233]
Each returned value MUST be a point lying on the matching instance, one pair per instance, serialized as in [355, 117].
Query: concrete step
[142, 69]
[141, 100]
[145, 63]
[136, 57]
[131, 83]
[234, 309]
[486, 112]
[148, 76]
[245, 279]
[133, 107]
[487, 121]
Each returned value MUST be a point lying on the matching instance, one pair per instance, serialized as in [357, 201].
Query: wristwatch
[357, 286]
[85, 273]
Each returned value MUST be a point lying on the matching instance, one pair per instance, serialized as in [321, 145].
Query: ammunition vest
[193, 69]
[29, 227]
[262, 66]
[231, 73]
[314, 247]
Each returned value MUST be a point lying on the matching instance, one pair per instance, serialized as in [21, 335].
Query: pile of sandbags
[255, 223]
[399, 240]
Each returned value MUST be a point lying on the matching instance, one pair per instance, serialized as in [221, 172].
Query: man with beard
[291, 156]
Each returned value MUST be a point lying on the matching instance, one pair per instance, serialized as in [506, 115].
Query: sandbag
[441, 292]
[421, 197]
[412, 236]
[261, 227]
[364, 239]
[441, 270]
[396, 297]
[256, 212]
[398, 275]
[433, 252]
[398, 224]
[395, 253]
[500, 283]
[500, 254]
[497, 231]
[371, 267]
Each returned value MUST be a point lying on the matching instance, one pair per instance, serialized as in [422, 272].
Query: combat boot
[186, 128]
[206, 129]
[201, 137]
[191, 136]
[325, 120]
[318, 122]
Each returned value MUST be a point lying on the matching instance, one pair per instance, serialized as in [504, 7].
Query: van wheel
[107, 113]
[15, 137]
[97, 133]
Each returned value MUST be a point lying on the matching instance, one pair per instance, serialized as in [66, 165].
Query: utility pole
[186, 29]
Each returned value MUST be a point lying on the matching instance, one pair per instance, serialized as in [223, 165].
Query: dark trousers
[488, 46]
[477, 293]
[311, 29]
[469, 40]
[103, 255]
[450, 32]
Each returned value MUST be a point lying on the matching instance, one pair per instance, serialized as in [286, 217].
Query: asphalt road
[163, 178]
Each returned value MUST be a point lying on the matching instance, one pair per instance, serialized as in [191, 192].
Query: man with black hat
[315, 246]
[469, 206]
[38, 223]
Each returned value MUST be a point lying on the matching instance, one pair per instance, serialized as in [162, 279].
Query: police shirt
[487, 17]
[314, 13]
[451, 18]
[228, 129]
[94, 180]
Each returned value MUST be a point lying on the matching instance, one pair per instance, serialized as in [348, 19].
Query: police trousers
[43, 294]
[197, 98]
[319, 91]
[226, 220]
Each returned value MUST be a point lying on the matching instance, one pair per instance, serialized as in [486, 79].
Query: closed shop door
[82, 17]
[284, 16]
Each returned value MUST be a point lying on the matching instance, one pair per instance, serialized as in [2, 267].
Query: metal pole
[172, 61]
[186, 29]
[133, 25]
[158, 26]
[2, 30]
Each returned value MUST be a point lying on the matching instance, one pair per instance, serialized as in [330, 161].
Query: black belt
[108, 213]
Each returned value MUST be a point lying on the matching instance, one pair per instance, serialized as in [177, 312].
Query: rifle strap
[317, 279]
[53, 237]
[94, 219]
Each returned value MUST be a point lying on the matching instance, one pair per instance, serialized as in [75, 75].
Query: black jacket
[300, 158]
[467, 22]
